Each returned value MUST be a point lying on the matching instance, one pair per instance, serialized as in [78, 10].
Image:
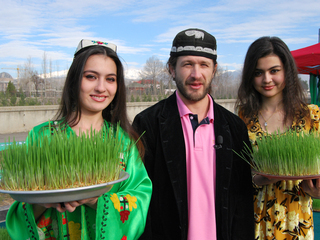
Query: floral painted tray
[64, 195]
[285, 177]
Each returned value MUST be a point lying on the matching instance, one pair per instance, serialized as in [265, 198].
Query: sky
[32, 29]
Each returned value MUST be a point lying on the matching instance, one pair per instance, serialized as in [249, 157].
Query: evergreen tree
[13, 100]
[11, 93]
[22, 101]
[11, 90]
[144, 98]
[3, 99]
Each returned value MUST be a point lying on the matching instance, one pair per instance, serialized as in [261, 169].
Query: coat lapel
[224, 158]
[172, 141]
[224, 154]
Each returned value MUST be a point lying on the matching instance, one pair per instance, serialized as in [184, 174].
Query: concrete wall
[24, 118]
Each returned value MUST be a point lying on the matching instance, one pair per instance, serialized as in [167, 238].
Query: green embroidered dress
[120, 215]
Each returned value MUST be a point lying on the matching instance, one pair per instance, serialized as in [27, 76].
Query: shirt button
[191, 117]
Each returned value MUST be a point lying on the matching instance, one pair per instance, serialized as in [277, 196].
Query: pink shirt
[201, 174]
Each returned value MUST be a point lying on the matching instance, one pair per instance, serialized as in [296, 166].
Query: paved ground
[21, 136]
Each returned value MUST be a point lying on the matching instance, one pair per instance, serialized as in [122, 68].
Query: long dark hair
[249, 99]
[70, 109]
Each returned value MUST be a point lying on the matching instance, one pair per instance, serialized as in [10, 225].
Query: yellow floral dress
[282, 210]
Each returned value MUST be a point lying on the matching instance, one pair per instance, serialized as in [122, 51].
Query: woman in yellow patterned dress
[271, 100]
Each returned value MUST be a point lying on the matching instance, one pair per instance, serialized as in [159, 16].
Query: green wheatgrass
[316, 204]
[290, 154]
[4, 235]
[60, 161]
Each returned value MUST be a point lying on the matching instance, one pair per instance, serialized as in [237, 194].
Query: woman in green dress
[93, 98]
[271, 100]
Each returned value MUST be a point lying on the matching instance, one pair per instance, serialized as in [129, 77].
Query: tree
[11, 90]
[153, 70]
[224, 84]
[37, 81]
[22, 101]
[13, 100]
[304, 84]
[144, 98]
[44, 69]
[33, 101]
[4, 99]
[26, 75]
[50, 68]
[31, 80]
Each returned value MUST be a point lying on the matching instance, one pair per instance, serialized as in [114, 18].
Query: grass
[4, 235]
[63, 161]
[292, 154]
[5, 199]
[316, 205]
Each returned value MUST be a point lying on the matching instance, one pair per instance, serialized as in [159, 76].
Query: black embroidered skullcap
[196, 42]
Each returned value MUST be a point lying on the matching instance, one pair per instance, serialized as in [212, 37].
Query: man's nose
[196, 72]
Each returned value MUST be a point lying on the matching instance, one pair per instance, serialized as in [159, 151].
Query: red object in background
[308, 59]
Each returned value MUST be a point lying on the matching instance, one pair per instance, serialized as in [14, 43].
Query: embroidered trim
[88, 223]
[195, 33]
[124, 205]
[31, 230]
[74, 230]
[195, 49]
[104, 216]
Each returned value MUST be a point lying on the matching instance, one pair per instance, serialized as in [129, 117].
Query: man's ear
[172, 71]
[215, 69]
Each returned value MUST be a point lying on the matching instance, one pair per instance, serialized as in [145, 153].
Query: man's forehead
[191, 58]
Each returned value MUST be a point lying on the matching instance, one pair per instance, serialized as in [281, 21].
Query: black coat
[165, 161]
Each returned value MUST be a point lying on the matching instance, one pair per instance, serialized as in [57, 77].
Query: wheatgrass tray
[60, 166]
[287, 177]
[290, 156]
[65, 195]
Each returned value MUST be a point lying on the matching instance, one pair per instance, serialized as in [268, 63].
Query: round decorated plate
[286, 177]
[64, 195]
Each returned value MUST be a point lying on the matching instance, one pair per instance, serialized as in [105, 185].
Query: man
[201, 188]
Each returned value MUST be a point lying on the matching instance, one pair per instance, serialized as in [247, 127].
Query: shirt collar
[184, 110]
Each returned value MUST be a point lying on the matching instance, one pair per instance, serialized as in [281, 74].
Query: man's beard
[192, 96]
